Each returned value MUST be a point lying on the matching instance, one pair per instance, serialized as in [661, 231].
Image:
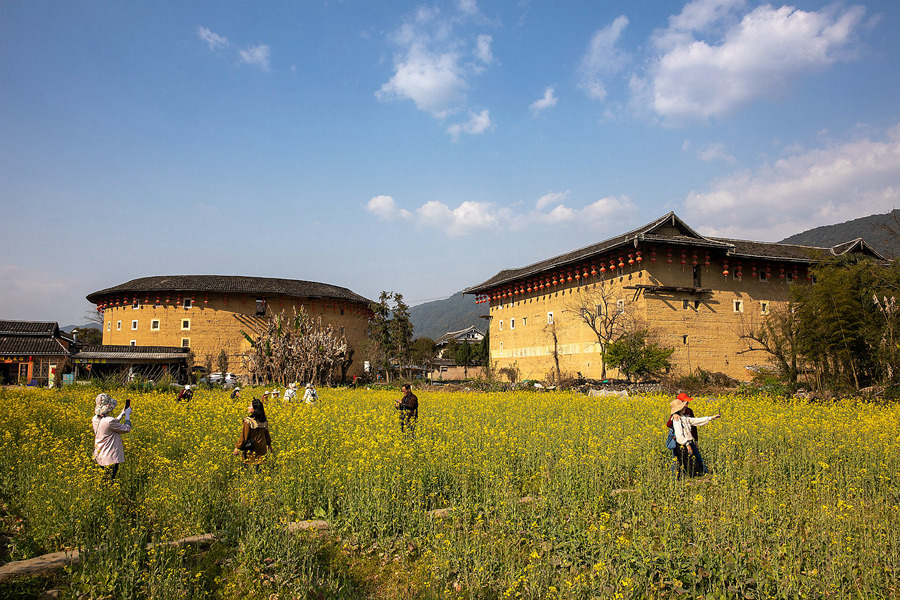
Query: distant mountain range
[434, 319]
[882, 232]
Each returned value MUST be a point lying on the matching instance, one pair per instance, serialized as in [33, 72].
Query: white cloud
[435, 82]
[594, 213]
[252, 55]
[803, 190]
[757, 55]
[467, 218]
[710, 152]
[469, 7]
[430, 68]
[386, 208]
[483, 49]
[553, 198]
[602, 58]
[548, 101]
[214, 41]
[472, 217]
[477, 124]
[256, 55]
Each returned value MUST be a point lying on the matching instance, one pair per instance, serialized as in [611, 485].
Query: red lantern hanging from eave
[569, 277]
[630, 258]
[638, 258]
[706, 260]
[593, 269]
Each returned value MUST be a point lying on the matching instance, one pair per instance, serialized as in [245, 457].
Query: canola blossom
[551, 495]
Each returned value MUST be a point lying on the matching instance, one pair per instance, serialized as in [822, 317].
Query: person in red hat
[686, 451]
[688, 413]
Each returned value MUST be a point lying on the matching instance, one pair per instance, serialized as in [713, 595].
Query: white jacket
[108, 448]
[681, 425]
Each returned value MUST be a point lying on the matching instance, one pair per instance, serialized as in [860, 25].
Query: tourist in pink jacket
[108, 449]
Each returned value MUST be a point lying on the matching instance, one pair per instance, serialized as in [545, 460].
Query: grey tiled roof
[31, 346]
[229, 284]
[39, 328]
[132, 352]
[653, 233]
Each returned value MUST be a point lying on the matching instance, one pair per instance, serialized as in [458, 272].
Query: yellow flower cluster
[552, 493]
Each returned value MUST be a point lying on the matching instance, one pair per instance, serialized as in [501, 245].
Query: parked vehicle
[219, 378]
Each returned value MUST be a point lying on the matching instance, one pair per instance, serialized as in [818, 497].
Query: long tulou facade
[699, 295]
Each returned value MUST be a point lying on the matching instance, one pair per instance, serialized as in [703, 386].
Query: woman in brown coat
[254, 427]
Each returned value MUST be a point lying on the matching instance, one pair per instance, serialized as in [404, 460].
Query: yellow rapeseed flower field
[551, 495]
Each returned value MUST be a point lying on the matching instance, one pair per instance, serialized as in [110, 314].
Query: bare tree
[550, 330]
[296, 349]
[777, 335]
[598, 307]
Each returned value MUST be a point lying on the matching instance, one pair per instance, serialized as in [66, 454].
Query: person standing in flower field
[408, 406]
[682, 397]
[310, 396]
[291, 392]
[255, 440]
[687, 452]
[109, 451]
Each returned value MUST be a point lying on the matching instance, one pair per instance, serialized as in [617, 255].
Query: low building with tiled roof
[31, 352]
[696, 293]
[211, 313]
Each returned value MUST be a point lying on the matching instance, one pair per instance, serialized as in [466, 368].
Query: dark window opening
[684, 339]
[260, 306]
[696, 275]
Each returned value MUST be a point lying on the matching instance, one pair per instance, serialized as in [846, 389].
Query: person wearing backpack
[671, 444]
[687, 453]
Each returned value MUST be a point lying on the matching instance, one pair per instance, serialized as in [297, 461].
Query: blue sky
[420, 147]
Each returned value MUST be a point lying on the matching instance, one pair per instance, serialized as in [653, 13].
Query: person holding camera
[408, 406]
[109, 452]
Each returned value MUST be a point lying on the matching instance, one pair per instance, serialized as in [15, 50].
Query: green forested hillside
[880, 231]
[434, 319]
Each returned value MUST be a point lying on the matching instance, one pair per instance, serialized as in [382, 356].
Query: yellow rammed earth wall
[704, 328]
[215, 324]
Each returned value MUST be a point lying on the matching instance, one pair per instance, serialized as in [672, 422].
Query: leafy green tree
[634, 354]
[390, 332]
[450, 349]
[222, 362]
[423, 352]
[401, 331]
[88, 336]
[847, 323]
[463, 356]
[378, 347]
